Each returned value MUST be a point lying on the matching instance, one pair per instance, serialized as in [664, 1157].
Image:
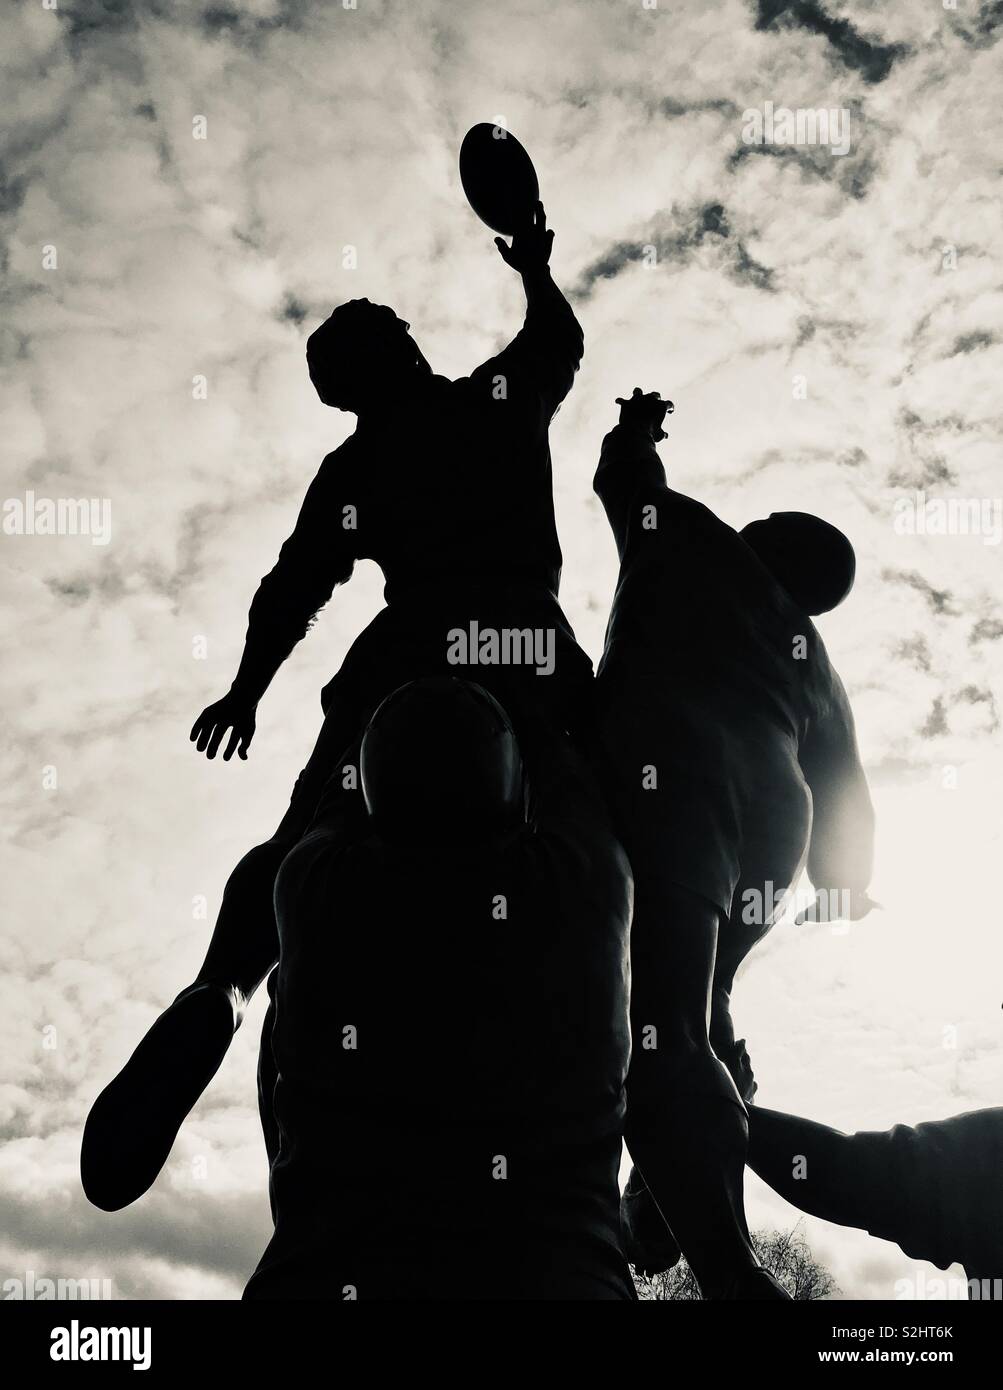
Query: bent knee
[255, 873]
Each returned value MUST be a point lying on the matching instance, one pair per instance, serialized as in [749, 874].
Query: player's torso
[695, 607]
[455, 489]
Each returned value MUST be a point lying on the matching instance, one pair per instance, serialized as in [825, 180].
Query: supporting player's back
[451, 1045]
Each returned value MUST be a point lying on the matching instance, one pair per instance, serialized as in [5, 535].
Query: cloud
[678, 239]
[971, 342]
[984, 31]
[872, 60]
[987, 630]
[939, 600]
[853, 173]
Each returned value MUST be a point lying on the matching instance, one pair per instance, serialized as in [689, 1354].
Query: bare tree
[786, 1254]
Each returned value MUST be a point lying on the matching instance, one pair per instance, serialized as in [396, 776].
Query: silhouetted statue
[442, 1075]
[935, 1189]
[447, 486]
[717, 712]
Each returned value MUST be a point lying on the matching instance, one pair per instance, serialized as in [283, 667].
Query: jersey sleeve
[313, 561]
[544, 355]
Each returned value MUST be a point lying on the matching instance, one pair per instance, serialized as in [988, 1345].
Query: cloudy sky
[829, 327]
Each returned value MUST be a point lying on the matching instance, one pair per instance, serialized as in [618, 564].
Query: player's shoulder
[827, 677]
[699, 512]
[341, 460]
[829, 700]
[486, 373]
[688, 512]
[813, 648]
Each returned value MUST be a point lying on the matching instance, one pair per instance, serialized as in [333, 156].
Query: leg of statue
[133, 1123]
[687, 1128]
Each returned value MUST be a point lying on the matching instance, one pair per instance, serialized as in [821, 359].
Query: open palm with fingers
[231, 715]
[531, 245]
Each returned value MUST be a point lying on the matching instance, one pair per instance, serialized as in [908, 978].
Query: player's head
[811, 559]
[440, 760]
[362, 355]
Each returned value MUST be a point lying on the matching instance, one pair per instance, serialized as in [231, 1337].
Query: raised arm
[315, 558]
[629, 459]
[548, 349]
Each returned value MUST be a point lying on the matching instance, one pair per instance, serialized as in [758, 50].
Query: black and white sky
[829, 326]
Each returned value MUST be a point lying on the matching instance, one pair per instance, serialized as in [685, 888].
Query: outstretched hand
[646, 410]
[530, 248]
[210, 728]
